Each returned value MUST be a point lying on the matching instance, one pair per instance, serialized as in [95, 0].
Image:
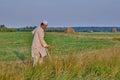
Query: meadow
[77, 56]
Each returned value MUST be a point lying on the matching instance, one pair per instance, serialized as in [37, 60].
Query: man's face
[44, 26]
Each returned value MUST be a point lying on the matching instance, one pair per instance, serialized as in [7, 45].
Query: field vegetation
[78, 56]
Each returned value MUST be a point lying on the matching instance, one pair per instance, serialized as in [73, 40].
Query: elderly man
[39, 45]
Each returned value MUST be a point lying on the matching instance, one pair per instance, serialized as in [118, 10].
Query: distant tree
[2, 26]
[31, 27]
[27, 27]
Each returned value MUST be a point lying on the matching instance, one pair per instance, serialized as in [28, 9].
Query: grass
[79, 56]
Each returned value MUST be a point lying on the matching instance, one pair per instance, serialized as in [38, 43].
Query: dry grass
[93, 65]
[100, 36]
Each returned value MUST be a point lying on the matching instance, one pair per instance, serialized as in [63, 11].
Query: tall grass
[103, 65]
[96, 64]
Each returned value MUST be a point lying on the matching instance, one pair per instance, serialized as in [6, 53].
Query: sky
[60, 13]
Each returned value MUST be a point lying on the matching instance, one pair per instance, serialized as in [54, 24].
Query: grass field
[78, 56]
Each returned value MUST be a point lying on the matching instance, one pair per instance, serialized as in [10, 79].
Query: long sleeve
[41, 38]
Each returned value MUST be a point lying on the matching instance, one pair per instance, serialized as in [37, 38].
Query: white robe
[38, 45]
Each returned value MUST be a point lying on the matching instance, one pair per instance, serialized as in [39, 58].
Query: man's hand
[47, 46]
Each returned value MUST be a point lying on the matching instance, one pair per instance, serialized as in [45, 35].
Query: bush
[5, 29]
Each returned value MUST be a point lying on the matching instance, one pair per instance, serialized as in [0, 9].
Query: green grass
[62, 44]
[74, 58]
[99, 34]
[14, 43]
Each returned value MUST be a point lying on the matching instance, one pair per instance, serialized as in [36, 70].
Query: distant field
[99, 34]
[91, 56]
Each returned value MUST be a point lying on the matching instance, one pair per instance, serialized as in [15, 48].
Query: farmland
[78, 56]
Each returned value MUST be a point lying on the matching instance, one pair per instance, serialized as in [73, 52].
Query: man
[39, 45]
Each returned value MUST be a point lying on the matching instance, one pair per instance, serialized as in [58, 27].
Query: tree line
[3, 28]
[26, 29]
[48, 29]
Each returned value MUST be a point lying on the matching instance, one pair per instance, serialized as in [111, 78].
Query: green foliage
[26, 29]
[5, 29]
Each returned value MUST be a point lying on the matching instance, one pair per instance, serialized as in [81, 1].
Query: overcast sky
[20, 13]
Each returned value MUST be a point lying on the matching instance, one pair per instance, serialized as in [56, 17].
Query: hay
[90, 31]
[69, 30]
[114, 30]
